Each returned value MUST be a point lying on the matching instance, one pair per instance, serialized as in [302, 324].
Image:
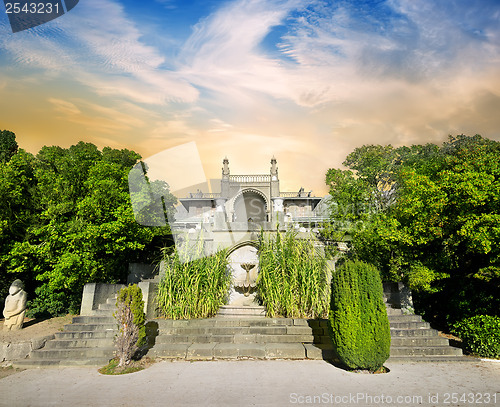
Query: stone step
[419, 341]
[91, 327]
[394, 311]
[410, 325]
[238, 338]
[79, 343]
[425, 351]
[431, 359]
[108, 306]
[103, 313]
[396, 332]
[97, 319]
[248, 330]
[209, 351]
[72, 353]
[56, 363]
[229, 322]
[404, 318]
[232, 311]
[85, 334]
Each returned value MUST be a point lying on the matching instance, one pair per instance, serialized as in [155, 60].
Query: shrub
[480, 335]
[194, 289]
[293, 280]
[131, 318]
[359, 326]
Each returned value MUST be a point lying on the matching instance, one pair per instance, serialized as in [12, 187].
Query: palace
[249, 202]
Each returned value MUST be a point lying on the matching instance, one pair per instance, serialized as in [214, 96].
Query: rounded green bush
[359, 325]
[480, 335]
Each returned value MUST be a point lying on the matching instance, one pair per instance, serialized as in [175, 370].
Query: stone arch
[250, 204]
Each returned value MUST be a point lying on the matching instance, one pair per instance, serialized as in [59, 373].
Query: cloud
[101, 48]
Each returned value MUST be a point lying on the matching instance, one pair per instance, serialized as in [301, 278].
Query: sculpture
[15, 306]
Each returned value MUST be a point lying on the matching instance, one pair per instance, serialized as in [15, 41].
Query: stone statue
[15, 306]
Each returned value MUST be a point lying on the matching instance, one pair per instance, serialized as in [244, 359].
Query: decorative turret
[275, 184]
[225, 168]
[274, 169]
[225, 186]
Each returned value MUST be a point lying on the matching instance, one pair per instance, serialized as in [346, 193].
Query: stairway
[226, 337]
[87, 341]
[412, 339]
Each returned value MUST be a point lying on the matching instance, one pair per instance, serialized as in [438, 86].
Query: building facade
[247, 202]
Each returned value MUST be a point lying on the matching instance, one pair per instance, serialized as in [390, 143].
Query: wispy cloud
[99, 46]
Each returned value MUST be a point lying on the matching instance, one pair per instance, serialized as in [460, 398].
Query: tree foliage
[439, 231]
[66, 220]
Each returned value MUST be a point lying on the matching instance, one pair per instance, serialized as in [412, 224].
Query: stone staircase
[412, 339]
[236, 333]
[226, 337]
[87, 341]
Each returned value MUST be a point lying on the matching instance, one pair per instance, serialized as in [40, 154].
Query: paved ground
[258, 383]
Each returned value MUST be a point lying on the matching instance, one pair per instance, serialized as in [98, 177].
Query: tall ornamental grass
[293, 279]
[193, 289]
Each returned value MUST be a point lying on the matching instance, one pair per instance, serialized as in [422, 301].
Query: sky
[305, 81]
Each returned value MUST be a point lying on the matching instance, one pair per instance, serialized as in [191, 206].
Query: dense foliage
[196, 288]
[359, 326]
[480, 335]
[430, 216]
[131, 323]
[65, 220]
[293, 279]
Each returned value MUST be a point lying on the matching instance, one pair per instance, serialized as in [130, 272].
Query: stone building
[249, 202]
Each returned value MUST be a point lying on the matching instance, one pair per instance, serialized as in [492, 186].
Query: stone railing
[245, 179]
[204, 195]
[289, 194]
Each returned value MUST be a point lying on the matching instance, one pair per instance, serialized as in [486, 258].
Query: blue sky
[307, 81]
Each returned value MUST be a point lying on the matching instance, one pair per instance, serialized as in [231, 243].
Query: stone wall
[10, 351]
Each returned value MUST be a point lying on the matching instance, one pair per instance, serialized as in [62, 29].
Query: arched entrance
[250, 206]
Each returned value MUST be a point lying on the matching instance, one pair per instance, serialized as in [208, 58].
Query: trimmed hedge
[359, 325]
[480, 335]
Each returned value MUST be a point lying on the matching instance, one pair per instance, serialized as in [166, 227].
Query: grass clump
[196, 288]
[113, 368]
[293, 279]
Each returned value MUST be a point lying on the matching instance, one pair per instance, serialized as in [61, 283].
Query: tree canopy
[434, 219]
[66, 219]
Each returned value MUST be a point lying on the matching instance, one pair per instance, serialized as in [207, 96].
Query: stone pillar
[149, 293]
[220, 221]
[278, 212]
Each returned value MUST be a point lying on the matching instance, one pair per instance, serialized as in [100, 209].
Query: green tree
[8, 145]
[74, 222]
[440, 233]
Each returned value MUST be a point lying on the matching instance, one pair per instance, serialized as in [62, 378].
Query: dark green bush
[480, 335]
[359, 326]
